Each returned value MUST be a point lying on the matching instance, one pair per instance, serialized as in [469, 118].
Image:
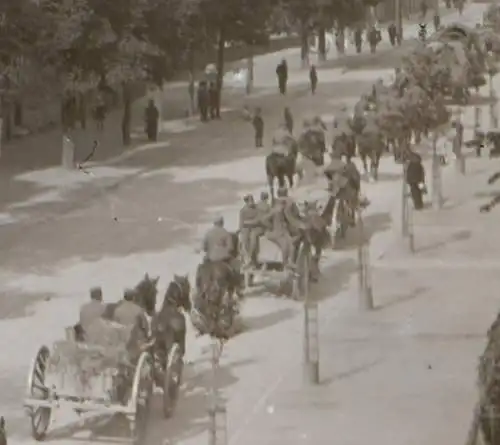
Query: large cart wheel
[172, 380]
[37, 390]
[140, 399]
[302, 282]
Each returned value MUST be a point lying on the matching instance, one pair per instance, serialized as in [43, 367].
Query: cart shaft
[81, 406]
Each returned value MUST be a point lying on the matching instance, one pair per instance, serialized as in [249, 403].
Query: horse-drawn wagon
[98, 377]
[269, 265]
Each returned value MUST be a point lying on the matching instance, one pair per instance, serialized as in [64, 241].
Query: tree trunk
[322, 43]
[18, 113]
[220, 67]
[127, 114]
[340, 40]
[191, 86]
[304, 45]
[250, 72]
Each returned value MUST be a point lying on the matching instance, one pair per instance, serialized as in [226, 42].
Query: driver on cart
[218, 246]
[89, 313]
[129, 313]
[286, 226]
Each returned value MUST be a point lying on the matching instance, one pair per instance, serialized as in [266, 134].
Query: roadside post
[437, 179]
[364, 271]
[407, 227]
[311, 332]
[216, 410]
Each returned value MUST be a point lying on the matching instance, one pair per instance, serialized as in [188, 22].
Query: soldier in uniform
[90, 312]
[286, 225]
[129, 313]
[218, 246]
[249, 223]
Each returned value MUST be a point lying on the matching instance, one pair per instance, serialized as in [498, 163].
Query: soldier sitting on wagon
[89, 313]
[129, 313]
[286, 224]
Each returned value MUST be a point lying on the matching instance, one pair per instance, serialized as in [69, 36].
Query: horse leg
[365, 164]
[270, 182]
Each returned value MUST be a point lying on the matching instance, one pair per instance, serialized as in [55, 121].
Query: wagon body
[90, 379]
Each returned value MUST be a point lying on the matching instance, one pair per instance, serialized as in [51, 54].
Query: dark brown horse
[169, 324]
[215, 305]
[281, 167]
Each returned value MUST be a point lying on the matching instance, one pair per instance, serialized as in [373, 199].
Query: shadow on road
[374, 223]
[259, 322]
[401, 299]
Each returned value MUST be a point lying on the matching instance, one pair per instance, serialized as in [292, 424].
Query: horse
[169, 323]
[215, 306]
[316, 234]
[371, 147]
[279, 166]
[339, 209]
[144, 295]
[311, 145]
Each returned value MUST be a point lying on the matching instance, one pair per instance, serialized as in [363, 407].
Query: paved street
[152, 222]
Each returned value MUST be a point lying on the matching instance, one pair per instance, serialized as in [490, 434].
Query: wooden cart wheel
[37, 390]
[140, 399]
[172, 380]
[302, 282]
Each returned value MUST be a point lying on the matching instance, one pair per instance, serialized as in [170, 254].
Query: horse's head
[316, 224]
[182, 289]
[146, 291]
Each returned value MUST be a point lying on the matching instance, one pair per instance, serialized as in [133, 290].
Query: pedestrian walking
[313, 78]
[258, 126]
[415, 178]
[203, 100]
[282, 73]
[151, 117]
[99, 113]
[287, 114]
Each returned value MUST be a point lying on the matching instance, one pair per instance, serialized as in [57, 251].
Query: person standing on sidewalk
[392, 32]
[358, 39]
[258, 126]
[151, 117]
[288, 120]
[313, 78]
[282, 73]
[203, 101]
[415, 178]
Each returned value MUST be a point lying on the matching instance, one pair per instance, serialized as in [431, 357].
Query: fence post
[365, 282]
[311, 342]
[216, 410]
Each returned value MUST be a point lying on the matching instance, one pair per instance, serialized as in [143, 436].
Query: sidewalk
[404, 373]
[27, 154]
